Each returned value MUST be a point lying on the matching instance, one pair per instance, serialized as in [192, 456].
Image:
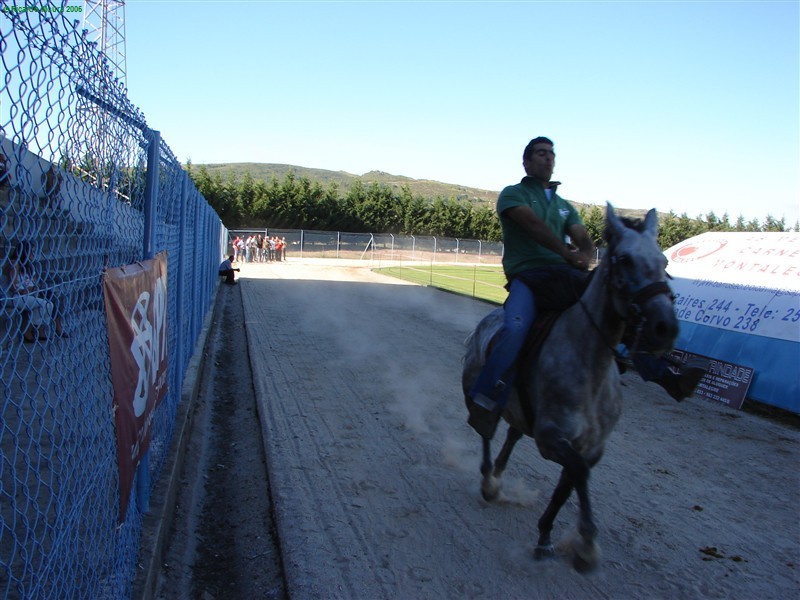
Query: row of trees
[298, 203]
[673, 229]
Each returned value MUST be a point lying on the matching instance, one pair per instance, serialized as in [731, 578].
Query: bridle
[633, 315]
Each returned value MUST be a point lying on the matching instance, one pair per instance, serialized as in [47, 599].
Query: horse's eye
[624, 260]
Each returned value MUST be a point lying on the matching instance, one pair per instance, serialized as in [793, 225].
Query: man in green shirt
[536, 223]
[546, 250]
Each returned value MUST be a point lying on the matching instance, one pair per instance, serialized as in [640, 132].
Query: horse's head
[637, 281]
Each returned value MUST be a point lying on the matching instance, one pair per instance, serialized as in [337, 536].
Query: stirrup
[484, 402]
[624, 363]
[484, 421]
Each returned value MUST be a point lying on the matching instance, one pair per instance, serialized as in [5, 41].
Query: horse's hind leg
[490, 486]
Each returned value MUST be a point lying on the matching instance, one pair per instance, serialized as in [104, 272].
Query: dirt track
[374, 472]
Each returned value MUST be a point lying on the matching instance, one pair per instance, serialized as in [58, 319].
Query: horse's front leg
[575, 474]
[490, 486]
[486, 462]
[585, 556]
[544, 547]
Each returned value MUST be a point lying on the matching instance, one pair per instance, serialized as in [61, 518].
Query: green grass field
[484, 282]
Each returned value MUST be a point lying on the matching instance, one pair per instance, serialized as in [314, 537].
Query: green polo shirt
[521, 252]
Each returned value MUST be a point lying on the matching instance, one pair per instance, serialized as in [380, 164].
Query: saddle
[554, 295]
[530, 354]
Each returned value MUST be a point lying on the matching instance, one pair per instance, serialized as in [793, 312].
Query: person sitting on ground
[51, 181]
[26, 296]
[49, 293]
[5, 174]
[226, 270]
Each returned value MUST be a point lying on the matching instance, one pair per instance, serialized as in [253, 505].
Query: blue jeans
[497, 376]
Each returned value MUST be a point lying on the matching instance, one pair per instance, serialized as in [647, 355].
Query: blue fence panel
[75, 159]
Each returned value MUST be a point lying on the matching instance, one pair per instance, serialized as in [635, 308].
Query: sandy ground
[374, 475]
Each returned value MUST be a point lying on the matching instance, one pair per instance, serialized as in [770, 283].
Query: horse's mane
[633, 223]
[636, 224]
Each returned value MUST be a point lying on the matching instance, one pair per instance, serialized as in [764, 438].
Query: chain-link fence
[369, 246]
[85, 184]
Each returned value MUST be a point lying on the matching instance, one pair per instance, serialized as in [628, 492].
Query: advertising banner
[741, 282]
[737, 297]
[136, 313]
[723, 382]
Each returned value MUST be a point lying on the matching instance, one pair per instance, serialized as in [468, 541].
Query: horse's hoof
[490, 488]
[586, 557]
[583, 566]
[543, 552]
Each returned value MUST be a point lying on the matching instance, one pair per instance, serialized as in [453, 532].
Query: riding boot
[483, 420]
[682, 385]
[623, 364]
[485, 413]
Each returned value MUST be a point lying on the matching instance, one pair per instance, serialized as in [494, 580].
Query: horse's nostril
[664, 330]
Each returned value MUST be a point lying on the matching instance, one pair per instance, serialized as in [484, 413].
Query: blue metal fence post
[193, 231]
[150, 203]
[151, 192]
[179, 304]
[196, 262]
[206, 242]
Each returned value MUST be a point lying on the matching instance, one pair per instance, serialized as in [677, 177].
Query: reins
[634, 315]
[596, 327]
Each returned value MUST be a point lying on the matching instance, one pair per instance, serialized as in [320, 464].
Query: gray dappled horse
[570, 399]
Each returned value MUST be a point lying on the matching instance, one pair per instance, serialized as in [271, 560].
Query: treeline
[673, 229]
[299, 203]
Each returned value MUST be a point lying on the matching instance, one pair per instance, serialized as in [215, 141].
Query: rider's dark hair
[539, 140]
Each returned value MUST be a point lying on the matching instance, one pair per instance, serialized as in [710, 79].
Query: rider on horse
[544, 273]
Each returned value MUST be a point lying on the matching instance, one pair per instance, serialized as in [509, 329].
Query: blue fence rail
[85, 184]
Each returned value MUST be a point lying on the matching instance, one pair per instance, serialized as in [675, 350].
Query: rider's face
[540, 163]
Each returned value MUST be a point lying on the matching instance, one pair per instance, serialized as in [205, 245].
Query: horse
[569, 398]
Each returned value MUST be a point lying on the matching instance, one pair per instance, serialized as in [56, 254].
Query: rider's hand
[577, 260]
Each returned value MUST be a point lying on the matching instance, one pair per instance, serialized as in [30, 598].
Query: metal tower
[105, 22]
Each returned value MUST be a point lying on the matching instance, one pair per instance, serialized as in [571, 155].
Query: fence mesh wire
[75, 156]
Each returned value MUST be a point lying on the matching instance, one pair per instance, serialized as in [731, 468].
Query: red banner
[136, 313]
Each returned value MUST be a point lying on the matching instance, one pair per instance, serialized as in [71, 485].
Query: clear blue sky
[686, 106]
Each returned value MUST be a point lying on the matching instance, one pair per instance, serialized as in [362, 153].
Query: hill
[419, 187]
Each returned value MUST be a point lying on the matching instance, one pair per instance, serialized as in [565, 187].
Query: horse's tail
[467, 344]
[476, 344]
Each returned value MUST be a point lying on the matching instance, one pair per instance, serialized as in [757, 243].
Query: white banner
[743, 282]
[766, 260]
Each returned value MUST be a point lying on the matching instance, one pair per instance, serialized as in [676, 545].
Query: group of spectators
[258, 248]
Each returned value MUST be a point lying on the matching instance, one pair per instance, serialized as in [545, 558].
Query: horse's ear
[651, 222]
[614, 226]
